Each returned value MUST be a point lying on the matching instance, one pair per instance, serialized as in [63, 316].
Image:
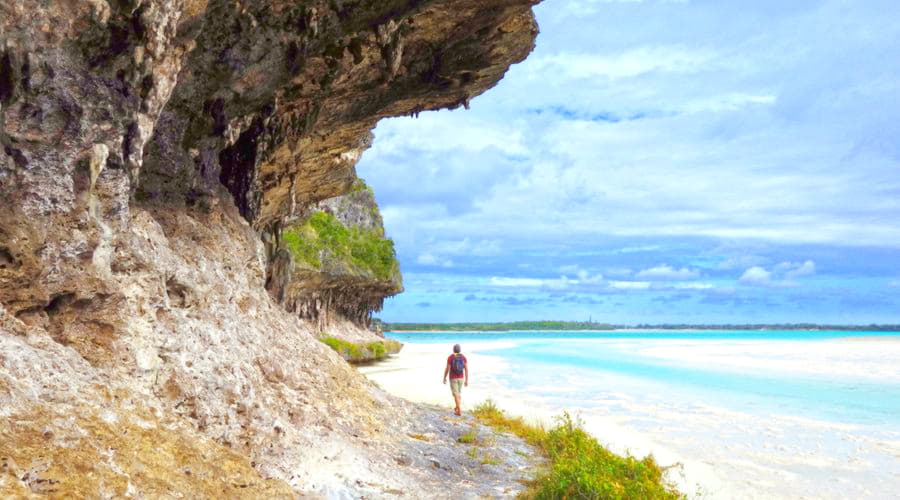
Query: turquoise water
[598, 356]
[812, 335]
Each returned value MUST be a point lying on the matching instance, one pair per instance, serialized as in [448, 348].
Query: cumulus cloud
[756, 276]
[782, 274]
[667, 272]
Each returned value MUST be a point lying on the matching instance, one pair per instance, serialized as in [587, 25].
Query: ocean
[746, 414]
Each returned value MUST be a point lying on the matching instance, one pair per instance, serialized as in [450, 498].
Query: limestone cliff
[336, 264]
[153, 153]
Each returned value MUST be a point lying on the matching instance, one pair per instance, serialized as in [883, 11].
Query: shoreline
[715, 448]
[884, 333]
[406, 375]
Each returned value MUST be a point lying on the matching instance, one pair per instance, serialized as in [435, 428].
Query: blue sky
[660, 161]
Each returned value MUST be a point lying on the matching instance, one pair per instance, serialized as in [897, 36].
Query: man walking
[457, 367]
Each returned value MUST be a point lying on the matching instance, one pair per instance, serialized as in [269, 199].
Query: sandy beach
[715, 450]
[415, 374]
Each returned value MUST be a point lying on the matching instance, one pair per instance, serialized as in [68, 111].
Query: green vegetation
[377, 349]
[471, 437]
[579, 467]
[468, 437]
[357, 353]
[322, 238]
[589, 325]
[360, 185]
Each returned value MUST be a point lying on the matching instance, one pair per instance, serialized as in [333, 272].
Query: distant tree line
[590, 325]
[774, 326]
[500, 327]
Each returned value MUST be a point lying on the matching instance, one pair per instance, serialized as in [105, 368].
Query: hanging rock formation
[152, 154]
[336, 267]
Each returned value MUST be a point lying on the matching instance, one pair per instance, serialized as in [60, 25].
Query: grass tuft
[469, 437]
[579, 466]
[420, 437]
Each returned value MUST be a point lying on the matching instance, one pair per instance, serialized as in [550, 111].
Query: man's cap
[456, 348]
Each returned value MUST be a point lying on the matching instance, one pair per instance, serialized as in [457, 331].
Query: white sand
[724, 453]
[415, 374]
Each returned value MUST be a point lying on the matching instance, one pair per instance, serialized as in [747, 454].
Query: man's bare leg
[456, 397]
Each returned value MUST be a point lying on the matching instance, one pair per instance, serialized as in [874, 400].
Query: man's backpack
[458, 365]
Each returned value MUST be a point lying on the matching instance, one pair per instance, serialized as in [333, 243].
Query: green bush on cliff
[356, 353]
[579, 466]
[323, 237]
[377, 349]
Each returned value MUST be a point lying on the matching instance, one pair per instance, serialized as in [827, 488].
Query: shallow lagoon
[747, 413]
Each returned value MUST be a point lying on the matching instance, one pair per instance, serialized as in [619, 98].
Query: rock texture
[151, 153]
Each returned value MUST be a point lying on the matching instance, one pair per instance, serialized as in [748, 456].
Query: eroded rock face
[151, 151]
[278, 102]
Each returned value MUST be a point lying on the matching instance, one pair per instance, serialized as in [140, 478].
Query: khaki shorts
[456, 385]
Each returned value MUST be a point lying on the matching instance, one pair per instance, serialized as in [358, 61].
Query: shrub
[349, 350]
[578, 465]
[357, 352]
[322, 237]
[377, 349]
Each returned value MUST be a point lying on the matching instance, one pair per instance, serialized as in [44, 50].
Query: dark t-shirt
[450, 362]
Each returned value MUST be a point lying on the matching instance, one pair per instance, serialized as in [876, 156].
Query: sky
[660, 161]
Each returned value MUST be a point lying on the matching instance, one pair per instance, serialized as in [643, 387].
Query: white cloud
[667, 272]
[587, 279]
[756, 276]
[741, 262]
[427, 259]
[782, 274]
[516, 282]
[693, 286]
[642, 248]
[561, 283]
[466, 246]
[808, 268]
[629, 285]
[630, 63]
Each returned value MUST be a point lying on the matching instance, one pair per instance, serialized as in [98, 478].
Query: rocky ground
[427, 460]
